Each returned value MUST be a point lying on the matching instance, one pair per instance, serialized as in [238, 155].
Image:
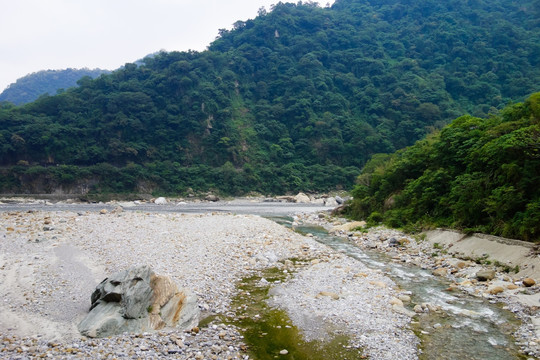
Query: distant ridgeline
[480, 175]
[30, 87]
[298, 98]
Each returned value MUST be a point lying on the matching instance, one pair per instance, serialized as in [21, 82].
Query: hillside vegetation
[476, 174]
[296, 99]
[30, 87]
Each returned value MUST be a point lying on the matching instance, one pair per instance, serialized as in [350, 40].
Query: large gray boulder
[137, 300]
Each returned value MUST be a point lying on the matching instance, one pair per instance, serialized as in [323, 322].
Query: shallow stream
[467, 328]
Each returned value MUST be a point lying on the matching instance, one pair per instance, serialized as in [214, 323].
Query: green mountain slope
[297, 98]
[479, 174]
[32, 86]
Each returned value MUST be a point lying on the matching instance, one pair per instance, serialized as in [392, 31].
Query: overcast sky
[58, 34]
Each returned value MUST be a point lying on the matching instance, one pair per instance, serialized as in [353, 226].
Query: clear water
[470, 328]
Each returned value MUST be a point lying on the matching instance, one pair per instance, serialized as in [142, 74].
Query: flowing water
[467, 328]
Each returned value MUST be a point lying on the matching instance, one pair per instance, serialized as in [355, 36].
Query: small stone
[283, 352]
[528, 282]
[396, 301]
[103, 211]
[332, 295]
[496, 290]
[512, 287]
[378, 284]
[418, 309]
[440, 272]
[404, 298]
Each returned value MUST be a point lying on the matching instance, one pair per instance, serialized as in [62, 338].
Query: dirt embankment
[514, 253]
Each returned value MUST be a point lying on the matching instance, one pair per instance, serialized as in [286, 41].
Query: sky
[59, 34]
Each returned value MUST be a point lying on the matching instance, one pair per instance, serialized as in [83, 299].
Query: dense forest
[476, 174]
[30, 87]
[298, 98]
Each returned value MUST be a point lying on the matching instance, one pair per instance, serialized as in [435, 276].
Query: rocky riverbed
[477, 275]
[50, 262]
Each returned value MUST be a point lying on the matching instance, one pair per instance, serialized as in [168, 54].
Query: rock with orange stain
[137, 300]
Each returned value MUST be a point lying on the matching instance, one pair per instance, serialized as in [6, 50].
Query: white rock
[302, 198]
[160, 201]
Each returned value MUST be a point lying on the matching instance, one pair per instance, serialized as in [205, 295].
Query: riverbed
[54, 254]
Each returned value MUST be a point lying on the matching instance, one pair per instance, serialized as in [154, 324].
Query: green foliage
[298, 98]
[30, 87]
[475, 175]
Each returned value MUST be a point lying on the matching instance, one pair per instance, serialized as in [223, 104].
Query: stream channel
[467, 328]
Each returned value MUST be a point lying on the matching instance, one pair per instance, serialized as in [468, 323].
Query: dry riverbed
[50, 262]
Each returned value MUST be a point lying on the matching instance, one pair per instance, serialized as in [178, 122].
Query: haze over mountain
[298, 98]
[30, 87]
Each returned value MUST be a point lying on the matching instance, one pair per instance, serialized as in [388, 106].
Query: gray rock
[211, 197]
[339, 200]
[138, 300]
[485, 275]
[331, 202]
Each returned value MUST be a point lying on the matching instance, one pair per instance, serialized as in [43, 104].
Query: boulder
[302, 198]
[528, 282]
[339, 200]
[137, 300]
[485, 275]
[211, 197]
[331, 202]
[160, 201]
[393, 242]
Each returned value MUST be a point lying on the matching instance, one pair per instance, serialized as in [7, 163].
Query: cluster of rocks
[342, 293]
[217, 341]
[477, 277]
[326, 200]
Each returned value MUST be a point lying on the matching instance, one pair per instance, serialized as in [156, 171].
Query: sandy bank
[506, 251]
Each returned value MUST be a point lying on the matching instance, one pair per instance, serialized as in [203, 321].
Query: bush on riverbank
[475, 174]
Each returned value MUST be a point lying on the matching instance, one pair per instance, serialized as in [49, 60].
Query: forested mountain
[297, 98]
[32, 86]
[477, 174]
